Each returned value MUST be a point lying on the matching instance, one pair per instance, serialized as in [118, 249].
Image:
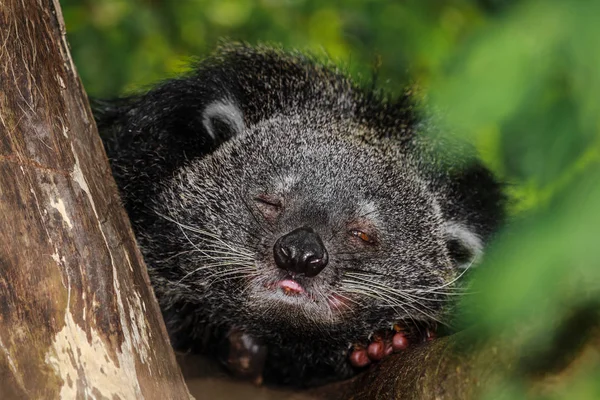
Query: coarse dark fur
[214, 167]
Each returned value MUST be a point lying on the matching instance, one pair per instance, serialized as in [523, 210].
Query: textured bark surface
[445, 369]
[77, 315]
[463, 367]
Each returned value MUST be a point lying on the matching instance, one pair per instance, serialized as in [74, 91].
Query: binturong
[296, 225]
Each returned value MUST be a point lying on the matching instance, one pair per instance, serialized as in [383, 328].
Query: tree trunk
[77, 315]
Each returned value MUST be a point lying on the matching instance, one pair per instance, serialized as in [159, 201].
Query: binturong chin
[301, 225]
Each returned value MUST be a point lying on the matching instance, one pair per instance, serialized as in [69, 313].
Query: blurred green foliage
[519, 79]
[124, 44]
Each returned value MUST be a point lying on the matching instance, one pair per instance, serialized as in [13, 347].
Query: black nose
[301, 251]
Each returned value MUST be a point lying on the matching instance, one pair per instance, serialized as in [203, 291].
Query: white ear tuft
[226, 112]
[466, 245]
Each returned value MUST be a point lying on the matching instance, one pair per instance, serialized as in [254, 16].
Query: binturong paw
[246, 357]
[385, 342]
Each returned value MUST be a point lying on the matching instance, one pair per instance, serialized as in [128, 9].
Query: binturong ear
[223, 119]
[464, 244]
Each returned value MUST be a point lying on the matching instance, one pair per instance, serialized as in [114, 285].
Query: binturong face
[296, 225]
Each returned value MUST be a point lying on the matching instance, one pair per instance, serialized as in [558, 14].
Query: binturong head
[296, 226]
[272, 194]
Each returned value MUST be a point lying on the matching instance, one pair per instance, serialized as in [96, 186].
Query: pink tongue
[290, 285]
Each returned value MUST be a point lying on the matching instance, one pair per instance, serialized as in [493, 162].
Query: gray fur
[339, 158]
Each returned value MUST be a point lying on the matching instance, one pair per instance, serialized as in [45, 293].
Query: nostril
[316, 264]
[281, 255]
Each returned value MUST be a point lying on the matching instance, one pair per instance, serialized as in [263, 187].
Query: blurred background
[519, 79]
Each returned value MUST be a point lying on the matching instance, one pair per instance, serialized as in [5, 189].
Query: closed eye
[271, 201]
[270, 206]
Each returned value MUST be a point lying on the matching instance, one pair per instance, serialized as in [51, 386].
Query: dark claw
[430, 335]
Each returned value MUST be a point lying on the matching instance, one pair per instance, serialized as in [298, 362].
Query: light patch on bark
[129, 263]
[117, 379]
[84, 311]
[56, 258]
[76, 360]
[136, 338]
[59, 205]
[78, 177]
[61, 82]
[137, 313]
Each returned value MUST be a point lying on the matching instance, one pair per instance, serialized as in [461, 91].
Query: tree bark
[448, 368]
[467, 365]
[77, 315]
[463, 366]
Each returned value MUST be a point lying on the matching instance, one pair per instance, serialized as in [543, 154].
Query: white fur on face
[368, 209]
[469, 239]
[226, 111]
[286, 183]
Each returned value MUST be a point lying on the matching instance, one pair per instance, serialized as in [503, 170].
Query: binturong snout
[301, 251]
